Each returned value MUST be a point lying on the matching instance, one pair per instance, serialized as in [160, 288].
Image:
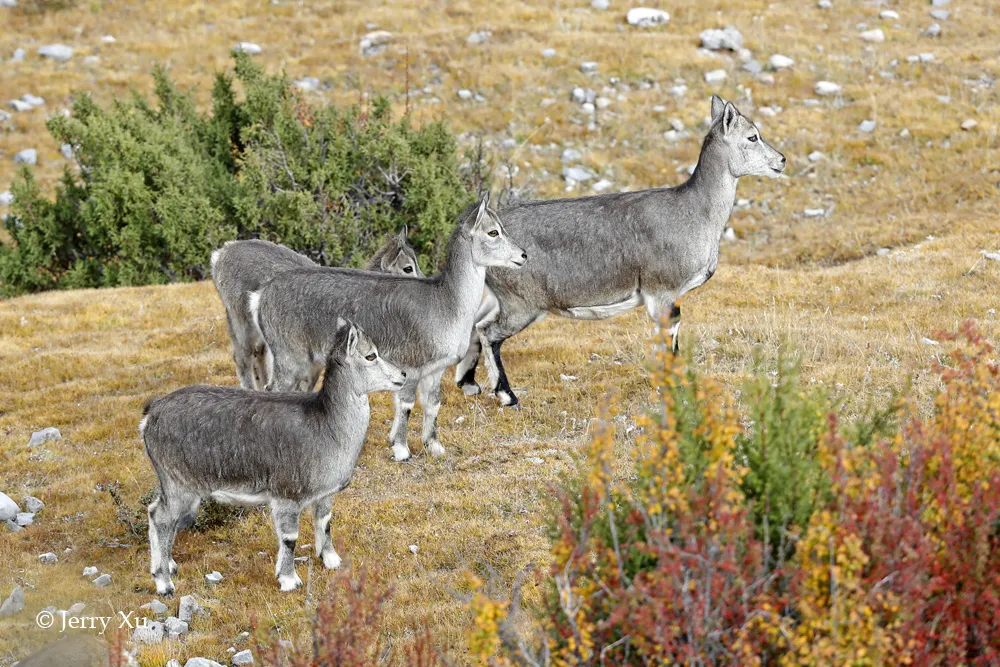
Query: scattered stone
[728, 39]
[4, 117]
[940, 14]
[671, 135]
[33, 100]
[646, 17]
[108, 39]
[67, 151]
[813, 212]
[680, 90]
[944, 99]
[602, 185]
[995, 256]
[587, 108]
[577, 174]
[150, 632]
[25, 519]
[571, 155]
[28, 156]
[465, 94]
[414, 549]
[188, 607]
[767, 78]
[92, 60]
[374, 42]
[8, 3]
[824, 4]
[969, 124]
[46, 434]
[89, 572]
[940, 3]
[926, 57]
[307, 83]
[882, 252]
[460, 419]
[588, 67]
[677, 124]
[18, 56]
[76, 609]
[826, 88]
[867, 126]
[600, 5]
[816, 156]
[202, 662]
[8, 508]
[730, 234]
[715, 76]
[244, 657]
[249, 47]
[48, 558]
[478, 37]
[19, 105]
[876, 36]
[934, 30]
[13, 604]
[548, 53]
[778, 61]
[102, 581]
[173, 663]
[213, 577]
[58, 52]
[888, 15]
[905, 132]
[582, 95]
[929, 341]
[752, 66]
[156, 607]
[175, 626]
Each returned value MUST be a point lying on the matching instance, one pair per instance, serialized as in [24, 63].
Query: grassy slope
[86, 361]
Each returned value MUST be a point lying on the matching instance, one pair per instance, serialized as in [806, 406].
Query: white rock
[213, 577]
[148, 632]
[888, 15]
[571, 155]
[89, 572]
[548, 53]
[102, 581]
[202, 662]
[91, 60]
[19, 105]
[677, 124]
[728, 38]
[13, 604]
[816, 156]
[33, 100]
[876, 35]
[249, 47]
[928, 341]
[108, 39]
[715, 76]
[174, 626]
[778, 61]
[824, 4]
[67, 151]
[577, 174]
[414, 549]
[813, 212]
[46, 434]
[940, 14]
[602, 185]
[478, 37]
[48, 558]
[307, 83]
[374, 42]
[18, 56]
[244, 657]
[940, 3]
[6, 199]
[646, 17]
[465, 94]
[824, 88]
[933, 30]
[882, 252]
[28, 156]
[730, 234]
[587, 108]
[603, 102]
[173, 663]
[671, 135]
[600, 5]
[995, 256]
[926, 57]
[8, 508]
[156, 607]
[969, 124]
[76, 609]
[905, 132]
[58, 52]
[867, 126]
[588, 67]
[24, 519]
[188, 607]
[679, 90]
[8, 3]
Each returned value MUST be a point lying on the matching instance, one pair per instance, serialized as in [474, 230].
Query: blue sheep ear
[718, 105]
[402, 238]
[352, 340]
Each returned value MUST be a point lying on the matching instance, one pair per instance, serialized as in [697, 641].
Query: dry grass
[86, 361]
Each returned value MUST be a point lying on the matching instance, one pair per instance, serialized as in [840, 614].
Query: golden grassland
[86, 361]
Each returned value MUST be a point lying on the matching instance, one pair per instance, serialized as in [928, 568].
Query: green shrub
[161, 184]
